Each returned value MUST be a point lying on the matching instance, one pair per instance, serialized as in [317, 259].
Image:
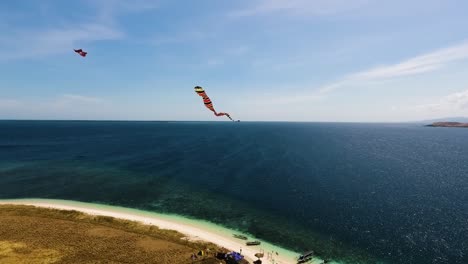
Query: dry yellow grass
[38, 235]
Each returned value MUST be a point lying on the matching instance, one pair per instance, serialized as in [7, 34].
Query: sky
[259, 60]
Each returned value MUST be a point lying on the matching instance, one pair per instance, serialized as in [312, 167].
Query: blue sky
[283, 60]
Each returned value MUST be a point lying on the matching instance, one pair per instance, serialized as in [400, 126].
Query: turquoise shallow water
[357, 193]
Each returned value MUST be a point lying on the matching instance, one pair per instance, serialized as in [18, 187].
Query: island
[448, 124]
[61, 231]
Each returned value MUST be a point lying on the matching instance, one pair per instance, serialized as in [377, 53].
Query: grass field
[37, 235]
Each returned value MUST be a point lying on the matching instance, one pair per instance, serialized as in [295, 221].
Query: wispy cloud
[9, 103]
[31, 43]
[22, 43]
[184, 37]
[63, 106]
[451, 105]
[65, 100]
[108, 10]
[80, 99]
[338, 8]
[418, 65]
[301, 7]
[125, 6]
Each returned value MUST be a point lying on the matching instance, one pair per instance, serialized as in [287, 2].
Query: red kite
[81, 52]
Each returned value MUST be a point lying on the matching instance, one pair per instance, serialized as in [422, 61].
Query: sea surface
[355, 193]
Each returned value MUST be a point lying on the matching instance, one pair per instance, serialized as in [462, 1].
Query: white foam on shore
[193, 229]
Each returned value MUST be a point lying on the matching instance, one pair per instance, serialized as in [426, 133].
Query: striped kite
[208, 102]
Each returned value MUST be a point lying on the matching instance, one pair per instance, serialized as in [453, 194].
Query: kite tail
[222, 114]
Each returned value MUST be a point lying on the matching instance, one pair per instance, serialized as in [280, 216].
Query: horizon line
[213, 121]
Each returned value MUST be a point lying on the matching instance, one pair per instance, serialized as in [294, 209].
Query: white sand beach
[193, 229]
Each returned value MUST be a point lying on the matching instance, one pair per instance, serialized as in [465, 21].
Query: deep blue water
[396, 193]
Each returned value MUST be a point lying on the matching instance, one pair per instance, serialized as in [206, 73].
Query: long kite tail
[222, 114]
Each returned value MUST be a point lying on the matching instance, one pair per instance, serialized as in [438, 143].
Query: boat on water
[305, 257]
[253, 243]
[240, 236]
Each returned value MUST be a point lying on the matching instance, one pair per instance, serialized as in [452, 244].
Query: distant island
[448, 124]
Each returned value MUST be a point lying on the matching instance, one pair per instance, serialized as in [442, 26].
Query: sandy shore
[193, 229]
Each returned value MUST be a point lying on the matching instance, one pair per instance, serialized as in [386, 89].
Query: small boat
[305, 257]
[240, 237]
[253, 243]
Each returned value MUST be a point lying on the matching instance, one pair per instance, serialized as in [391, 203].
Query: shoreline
[192, 229]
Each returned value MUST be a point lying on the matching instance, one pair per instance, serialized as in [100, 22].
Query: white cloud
[60, 106]
[31, 44]
[108, 10]
[22, 43]
[450, 106]
[70, 103]
[74, 98]
[360, 9]
[184, 37]
[418, 65]
[9, 103]
[455, 103]
[303, 7]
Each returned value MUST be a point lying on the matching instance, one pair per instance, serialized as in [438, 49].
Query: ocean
[353, 193]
